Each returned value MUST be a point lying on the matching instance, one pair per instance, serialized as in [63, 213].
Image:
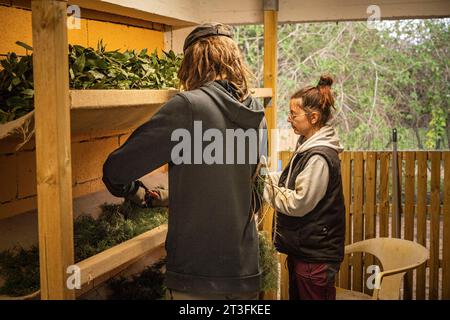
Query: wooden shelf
[176, 13]
[262, 92]
[98, 268]
[99, 112]
[102, 112]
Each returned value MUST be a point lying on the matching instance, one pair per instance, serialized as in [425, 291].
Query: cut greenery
[19, 268]
[268, 263]
[148, 285]
[88, 69]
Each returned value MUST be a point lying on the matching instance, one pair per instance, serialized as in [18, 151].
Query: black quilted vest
[319, 235]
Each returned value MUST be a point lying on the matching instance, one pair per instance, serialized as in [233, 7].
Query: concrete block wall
[18, 171]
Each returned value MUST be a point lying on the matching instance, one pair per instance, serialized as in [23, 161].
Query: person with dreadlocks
[212, 239]
[308, 198]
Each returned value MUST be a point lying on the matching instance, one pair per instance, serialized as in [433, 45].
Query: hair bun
[325, 81]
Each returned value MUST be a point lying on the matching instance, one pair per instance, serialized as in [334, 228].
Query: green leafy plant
[88, 69]
[102, 69]
[394, 76]
[16, 86]
[268, 263]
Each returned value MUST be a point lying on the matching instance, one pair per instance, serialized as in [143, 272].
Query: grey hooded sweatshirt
[212, 240]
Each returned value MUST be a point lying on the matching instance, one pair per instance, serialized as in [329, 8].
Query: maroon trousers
[311, 281]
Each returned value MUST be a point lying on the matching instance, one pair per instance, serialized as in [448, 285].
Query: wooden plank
[101, 99]
[358, 218]
[344, 278]
[270, 71]
[435, 157]
[370, 208]
[285, 157]
[166, 12]
[446, 227]
[284, 277]
[261, 92]
[148, 258]
[370, 189]
[384, 194]
[409, 215]
[397, 197]
[97, 266]
[53, 154]
[421, 215]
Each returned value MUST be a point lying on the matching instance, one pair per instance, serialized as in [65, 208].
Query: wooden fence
[425, 194]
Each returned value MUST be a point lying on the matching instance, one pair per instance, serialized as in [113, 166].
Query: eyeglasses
[292, 116]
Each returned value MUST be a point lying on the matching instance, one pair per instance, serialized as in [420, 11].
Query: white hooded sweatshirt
[310, 184]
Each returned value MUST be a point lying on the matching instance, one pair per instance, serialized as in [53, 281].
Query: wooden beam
[295, 11]
[261, 92]
[101, 264]
[179, 13]
[53, 154]
[270, 81]
[270, 71]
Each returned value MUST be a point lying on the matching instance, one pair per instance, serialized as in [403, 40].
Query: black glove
[139, 195]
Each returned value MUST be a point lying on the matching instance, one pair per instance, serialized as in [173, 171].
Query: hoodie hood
[246, 114]
[325, 137]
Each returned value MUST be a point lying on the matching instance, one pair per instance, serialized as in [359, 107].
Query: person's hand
[159, 197]
[139, 197]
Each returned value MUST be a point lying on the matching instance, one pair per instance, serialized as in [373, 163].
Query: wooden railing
[425, 207]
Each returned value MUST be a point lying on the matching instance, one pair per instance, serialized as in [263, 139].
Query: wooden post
[446, 227]
[53, 154]
[270, 73]
[270, 81]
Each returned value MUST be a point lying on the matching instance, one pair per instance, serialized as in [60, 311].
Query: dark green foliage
[88, 69]
[16, 87]
[148, 285]
[395, 75]
[268, 263]
[117, 223]
[20, 270]
[101, 69]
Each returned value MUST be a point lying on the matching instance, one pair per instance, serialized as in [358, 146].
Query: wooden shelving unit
[60, 116]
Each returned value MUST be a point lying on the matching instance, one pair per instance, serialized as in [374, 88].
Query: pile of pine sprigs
[19, 268]
[88, 69]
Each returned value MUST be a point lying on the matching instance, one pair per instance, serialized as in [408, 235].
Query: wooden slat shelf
[101, 265]
[100, 112]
